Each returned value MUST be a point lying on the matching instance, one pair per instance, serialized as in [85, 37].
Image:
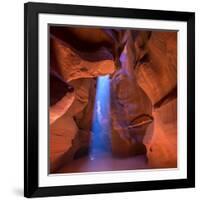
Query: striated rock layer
[143, 81]
[155, 65]
[131, 111]
[77, 56]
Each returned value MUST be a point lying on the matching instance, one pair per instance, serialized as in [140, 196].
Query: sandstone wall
[143, 76]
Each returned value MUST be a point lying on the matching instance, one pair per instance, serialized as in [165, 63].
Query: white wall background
[11, 98]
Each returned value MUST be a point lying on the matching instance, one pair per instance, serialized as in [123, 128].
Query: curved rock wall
[131, 111]
[143, 76]
[75, 61]
[155, 66]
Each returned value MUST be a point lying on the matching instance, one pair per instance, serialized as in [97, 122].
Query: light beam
[101, 117]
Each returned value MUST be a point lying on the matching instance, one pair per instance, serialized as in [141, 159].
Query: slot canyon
[113, 99]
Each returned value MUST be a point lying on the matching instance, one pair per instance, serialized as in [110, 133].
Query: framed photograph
[109, 99]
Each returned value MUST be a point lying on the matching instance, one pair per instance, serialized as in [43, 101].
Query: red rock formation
[69, 64]
[131, 112]
[155, 63]
[74, 56]
[143, 92]
[68, 129]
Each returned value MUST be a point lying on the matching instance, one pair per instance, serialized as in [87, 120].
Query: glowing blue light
[101, 115]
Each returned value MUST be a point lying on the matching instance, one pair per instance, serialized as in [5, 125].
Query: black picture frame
[31, 12]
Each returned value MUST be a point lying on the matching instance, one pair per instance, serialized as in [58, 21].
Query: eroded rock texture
[77, 56]
[73, 128]
[131, 111]
[155, 64]
[61, 97]
[143, 79]
[82, 53]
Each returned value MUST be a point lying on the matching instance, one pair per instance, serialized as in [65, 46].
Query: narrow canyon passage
[100, 156]
[113, 99]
